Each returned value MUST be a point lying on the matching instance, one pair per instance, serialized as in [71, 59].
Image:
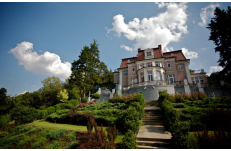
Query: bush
[23, 142]
[117, 95]
[3, 134]
[73, 145]
[27, 128]
[128, 98]
[42, 114]
[34, 130]
[84, 100]
[10, 141]
[42, 107]
[63, 95]
[4, 119]
[130, 120]
[38, 143]
[74, 102]
[71, 136]
[73, 93]
[96, 96]
[24, 114]
[129, 141]
[54, 145]
[60, 116]
[50, 109]
[45, 132]
[56, 134]
[191, 142]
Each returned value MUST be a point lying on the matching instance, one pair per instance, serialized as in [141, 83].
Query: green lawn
[78, 128]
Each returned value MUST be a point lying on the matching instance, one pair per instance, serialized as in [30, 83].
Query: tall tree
[220, 33]
[86, 70]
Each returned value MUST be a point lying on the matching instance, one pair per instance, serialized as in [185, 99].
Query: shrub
[24, 114]
[50, 109]
[34, 130]
[124, 99]
[43, 107]
[63, 95]
[27, 128]
[4, 119]
[96, 96]
[17, 128]
[117, 95]
[42, 114]
[84, 100]
[10, 141]
[54, 145]
[23, 142]
[131, 120]
[45, 132]
[73, 145]
[180, 131]
[56, 134]
[191, 142]
[129, 140]
[201, 95]
[72, 136]
[38, 143]
[112, 133]
[3, 134]
[74, 102]
[219, 139]
[73, 93]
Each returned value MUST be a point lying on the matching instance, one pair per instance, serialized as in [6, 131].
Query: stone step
[150, 103]
[153, 139]
[154, 144]
[153, 123]
[150, 147]
[152, 118]
[152, 114]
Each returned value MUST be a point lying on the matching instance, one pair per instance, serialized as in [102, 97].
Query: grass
[49, 125]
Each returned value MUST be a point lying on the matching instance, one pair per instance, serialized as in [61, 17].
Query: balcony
[155, 82]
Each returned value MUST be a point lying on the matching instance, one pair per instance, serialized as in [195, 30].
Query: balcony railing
[155, 82]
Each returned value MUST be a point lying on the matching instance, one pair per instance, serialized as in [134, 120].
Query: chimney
[202, 70]
[139, 49]
[160, 49]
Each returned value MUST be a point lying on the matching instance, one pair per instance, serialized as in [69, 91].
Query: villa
[152, 69]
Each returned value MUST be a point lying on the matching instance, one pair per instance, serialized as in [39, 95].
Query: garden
[196, 121]
[112, 124]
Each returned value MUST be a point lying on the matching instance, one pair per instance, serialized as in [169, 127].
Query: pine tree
[220, 33]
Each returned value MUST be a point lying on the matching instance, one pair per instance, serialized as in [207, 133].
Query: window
[118, 76]
[125, 73]
[197, 79]
[158, 75]
[148, 53]
[171, 78]
[201, 80]
[157, 64]
[142, 77]
[149, 64]
[179, 92]
[168, 64]
[180, 67]
[150, 78]
[133, 68]
[193, 82]
[215, 94]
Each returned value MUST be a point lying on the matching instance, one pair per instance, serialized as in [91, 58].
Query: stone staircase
[152, 134]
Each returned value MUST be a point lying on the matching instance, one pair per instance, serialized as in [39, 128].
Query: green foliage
[73, 93]
[96, 96]
[3, 134]
[59, 116]
[131, 120]
[6, 143]
[45, 132]
[23, 142]
[27, 128]
[42, 114]
[117, 95]
[56, 134]
[191, 142]
[84, 100]
[50, 109]
[72, 136]
[4, 119]
[39, 143]
[24, 114]
[74, 102]
[63, 95]
[43, 107]
[73, 145]
[34, 130]
[129, 140]
[128, 98]
[54, 145]
[17, 128]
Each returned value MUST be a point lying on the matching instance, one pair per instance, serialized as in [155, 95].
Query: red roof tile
[125, 61]
[178, 54]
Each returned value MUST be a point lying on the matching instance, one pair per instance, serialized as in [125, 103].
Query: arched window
[141, 77]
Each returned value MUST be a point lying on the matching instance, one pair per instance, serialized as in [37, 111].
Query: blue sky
[38, 40]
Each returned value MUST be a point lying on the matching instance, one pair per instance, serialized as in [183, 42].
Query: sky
[38, 40]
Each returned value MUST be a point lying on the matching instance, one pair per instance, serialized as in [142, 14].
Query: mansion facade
[152, 67]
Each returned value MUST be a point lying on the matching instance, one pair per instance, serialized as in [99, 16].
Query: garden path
[152, 135]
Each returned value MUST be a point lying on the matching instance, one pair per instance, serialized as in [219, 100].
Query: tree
[220, 33]
[63, 95]
[86, 70]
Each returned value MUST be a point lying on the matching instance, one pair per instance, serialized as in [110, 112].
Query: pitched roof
[157, 54]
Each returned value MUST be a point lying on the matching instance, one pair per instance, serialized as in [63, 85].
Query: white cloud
[206, 13]
[215, 69]
[168, 49]
[47, 63]
[33, 86]
[162, 29]
[23, 92]
[189, 54]
[126, 48]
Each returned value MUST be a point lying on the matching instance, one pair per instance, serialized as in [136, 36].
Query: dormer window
[157, 64]
[149, 64]
[149, 54]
